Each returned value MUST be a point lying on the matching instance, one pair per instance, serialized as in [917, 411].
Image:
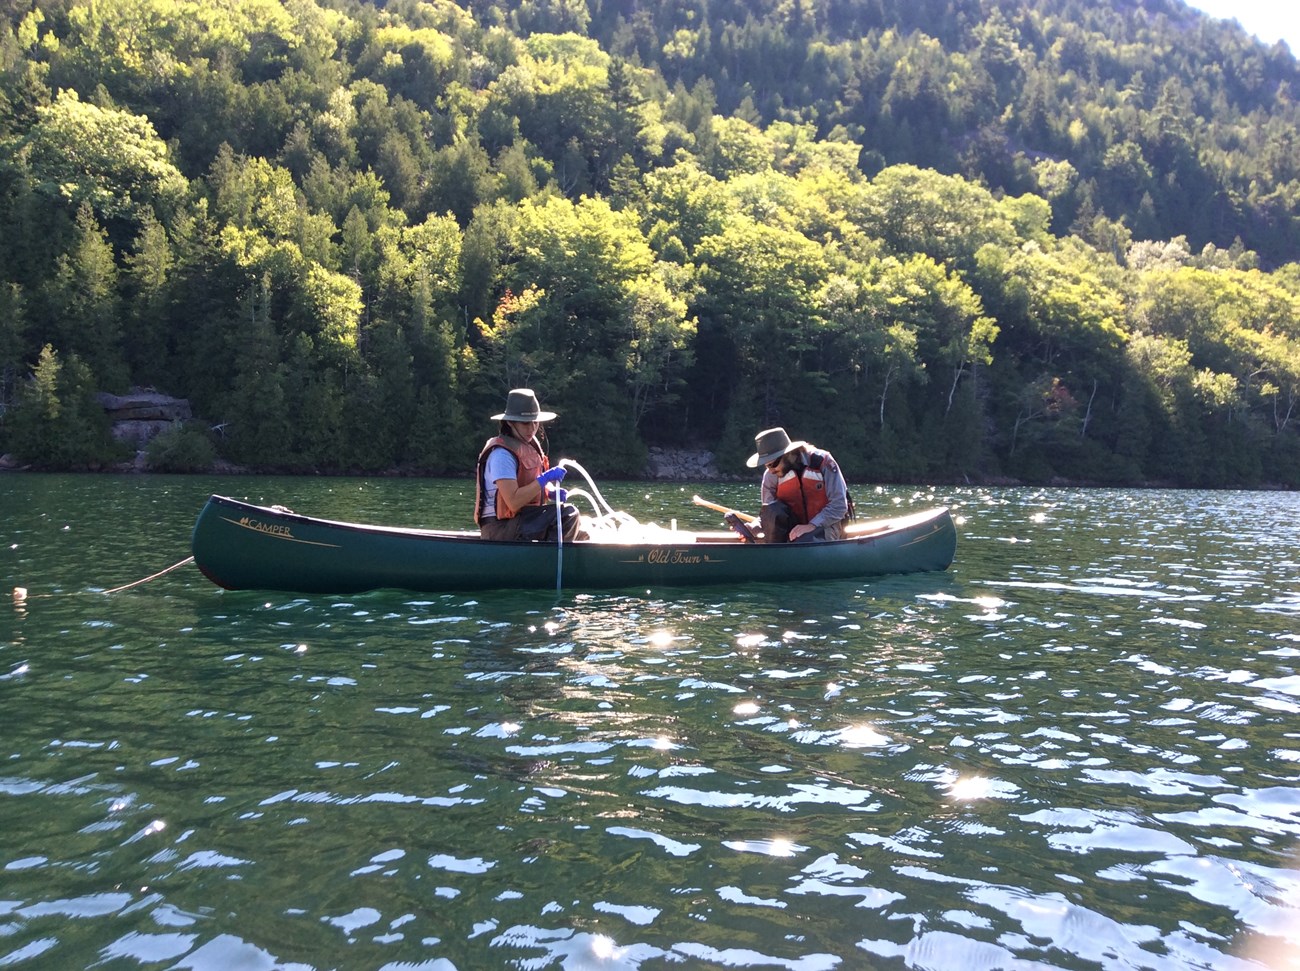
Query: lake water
[1078, 748]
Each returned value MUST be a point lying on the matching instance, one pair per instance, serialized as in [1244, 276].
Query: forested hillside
[946, 238]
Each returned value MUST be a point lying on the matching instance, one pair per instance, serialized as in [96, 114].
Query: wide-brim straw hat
[521, 405]
[772, 443]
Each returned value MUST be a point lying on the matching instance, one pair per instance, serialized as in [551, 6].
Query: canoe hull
[241, 546]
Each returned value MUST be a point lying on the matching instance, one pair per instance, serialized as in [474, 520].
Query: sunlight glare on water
[1078, 748]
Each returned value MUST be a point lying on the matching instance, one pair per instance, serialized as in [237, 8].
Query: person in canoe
[515, 482]
[803, 493]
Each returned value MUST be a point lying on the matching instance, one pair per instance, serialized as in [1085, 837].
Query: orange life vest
[530, 463]
[803, 489]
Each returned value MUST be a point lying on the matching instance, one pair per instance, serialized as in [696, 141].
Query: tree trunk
[1087, 415]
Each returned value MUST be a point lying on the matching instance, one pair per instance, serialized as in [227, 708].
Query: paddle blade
[738, 524]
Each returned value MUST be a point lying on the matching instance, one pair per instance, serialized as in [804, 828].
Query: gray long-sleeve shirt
[837, 491]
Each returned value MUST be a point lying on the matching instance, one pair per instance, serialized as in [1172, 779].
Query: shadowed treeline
[948, 241]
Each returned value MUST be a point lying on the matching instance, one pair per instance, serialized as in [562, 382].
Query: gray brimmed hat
[771, 443]
[521, 405]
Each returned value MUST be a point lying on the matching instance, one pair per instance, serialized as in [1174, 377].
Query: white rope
[596, 498]
[610, 525]
[136, 583]
[21, 596]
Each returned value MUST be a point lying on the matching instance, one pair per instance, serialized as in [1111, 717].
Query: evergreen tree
[80, 302]
[56, 422]
[254, 417]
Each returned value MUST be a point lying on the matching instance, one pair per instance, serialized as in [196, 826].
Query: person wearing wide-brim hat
[515, 482]
[803, 493]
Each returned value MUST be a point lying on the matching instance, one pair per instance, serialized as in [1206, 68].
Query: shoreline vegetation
[665, 465]
[951, 242]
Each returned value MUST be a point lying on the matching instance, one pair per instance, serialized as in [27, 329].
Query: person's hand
[559, 494]
[799, 530]
[551, 475]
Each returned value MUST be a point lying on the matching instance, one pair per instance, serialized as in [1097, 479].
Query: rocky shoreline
[681, 465]
[143, 413]
[663, 464]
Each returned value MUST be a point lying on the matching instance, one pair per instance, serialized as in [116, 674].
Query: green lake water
[1078, 748]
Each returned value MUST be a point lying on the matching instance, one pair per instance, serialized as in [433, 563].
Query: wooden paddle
[723, 509]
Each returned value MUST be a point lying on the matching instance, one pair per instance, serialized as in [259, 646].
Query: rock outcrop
[141, 414]
[680, 464]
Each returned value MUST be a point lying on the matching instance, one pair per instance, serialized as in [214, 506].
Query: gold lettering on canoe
[248, 522]
[275, 531]
[675, 557]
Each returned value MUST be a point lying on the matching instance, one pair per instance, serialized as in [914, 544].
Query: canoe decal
[273, 530]
[920, 539]
[674, 557]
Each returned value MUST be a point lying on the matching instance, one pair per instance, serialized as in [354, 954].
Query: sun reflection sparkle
[862, 736]
[971, 787]
[603, 947]
[776, 846]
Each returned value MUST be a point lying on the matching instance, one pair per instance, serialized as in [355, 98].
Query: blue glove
[560, 494]
[551, 475]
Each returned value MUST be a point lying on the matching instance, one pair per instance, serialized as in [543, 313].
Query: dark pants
[532, 523]
[777, 520]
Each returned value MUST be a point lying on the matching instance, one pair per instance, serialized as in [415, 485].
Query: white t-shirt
[501, 464]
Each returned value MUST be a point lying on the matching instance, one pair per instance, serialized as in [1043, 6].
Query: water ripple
[1074, 750]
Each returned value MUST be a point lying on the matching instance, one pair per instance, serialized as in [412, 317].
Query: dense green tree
[683, 205]
[460, 179]
[945, 217]
[79, 303]
[313, 396]
[589, 311]
[254, 419]
[758, 285]
[183, 447]
[111, 160]
[13, 323]
[948, 240]
[149, 269]
[56, 422]
[482, 255]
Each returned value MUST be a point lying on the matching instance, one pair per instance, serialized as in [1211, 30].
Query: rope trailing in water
[21, 595]
[128, 586]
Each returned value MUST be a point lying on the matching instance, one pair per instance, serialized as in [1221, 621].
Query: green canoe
[246, 547]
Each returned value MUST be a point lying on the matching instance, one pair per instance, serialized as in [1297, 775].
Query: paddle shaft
[723, 509]
[559, 543]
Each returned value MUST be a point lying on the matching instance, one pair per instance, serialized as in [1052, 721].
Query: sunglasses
[776, 464]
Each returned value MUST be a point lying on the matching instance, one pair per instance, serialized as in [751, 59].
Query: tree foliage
[947, 240]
